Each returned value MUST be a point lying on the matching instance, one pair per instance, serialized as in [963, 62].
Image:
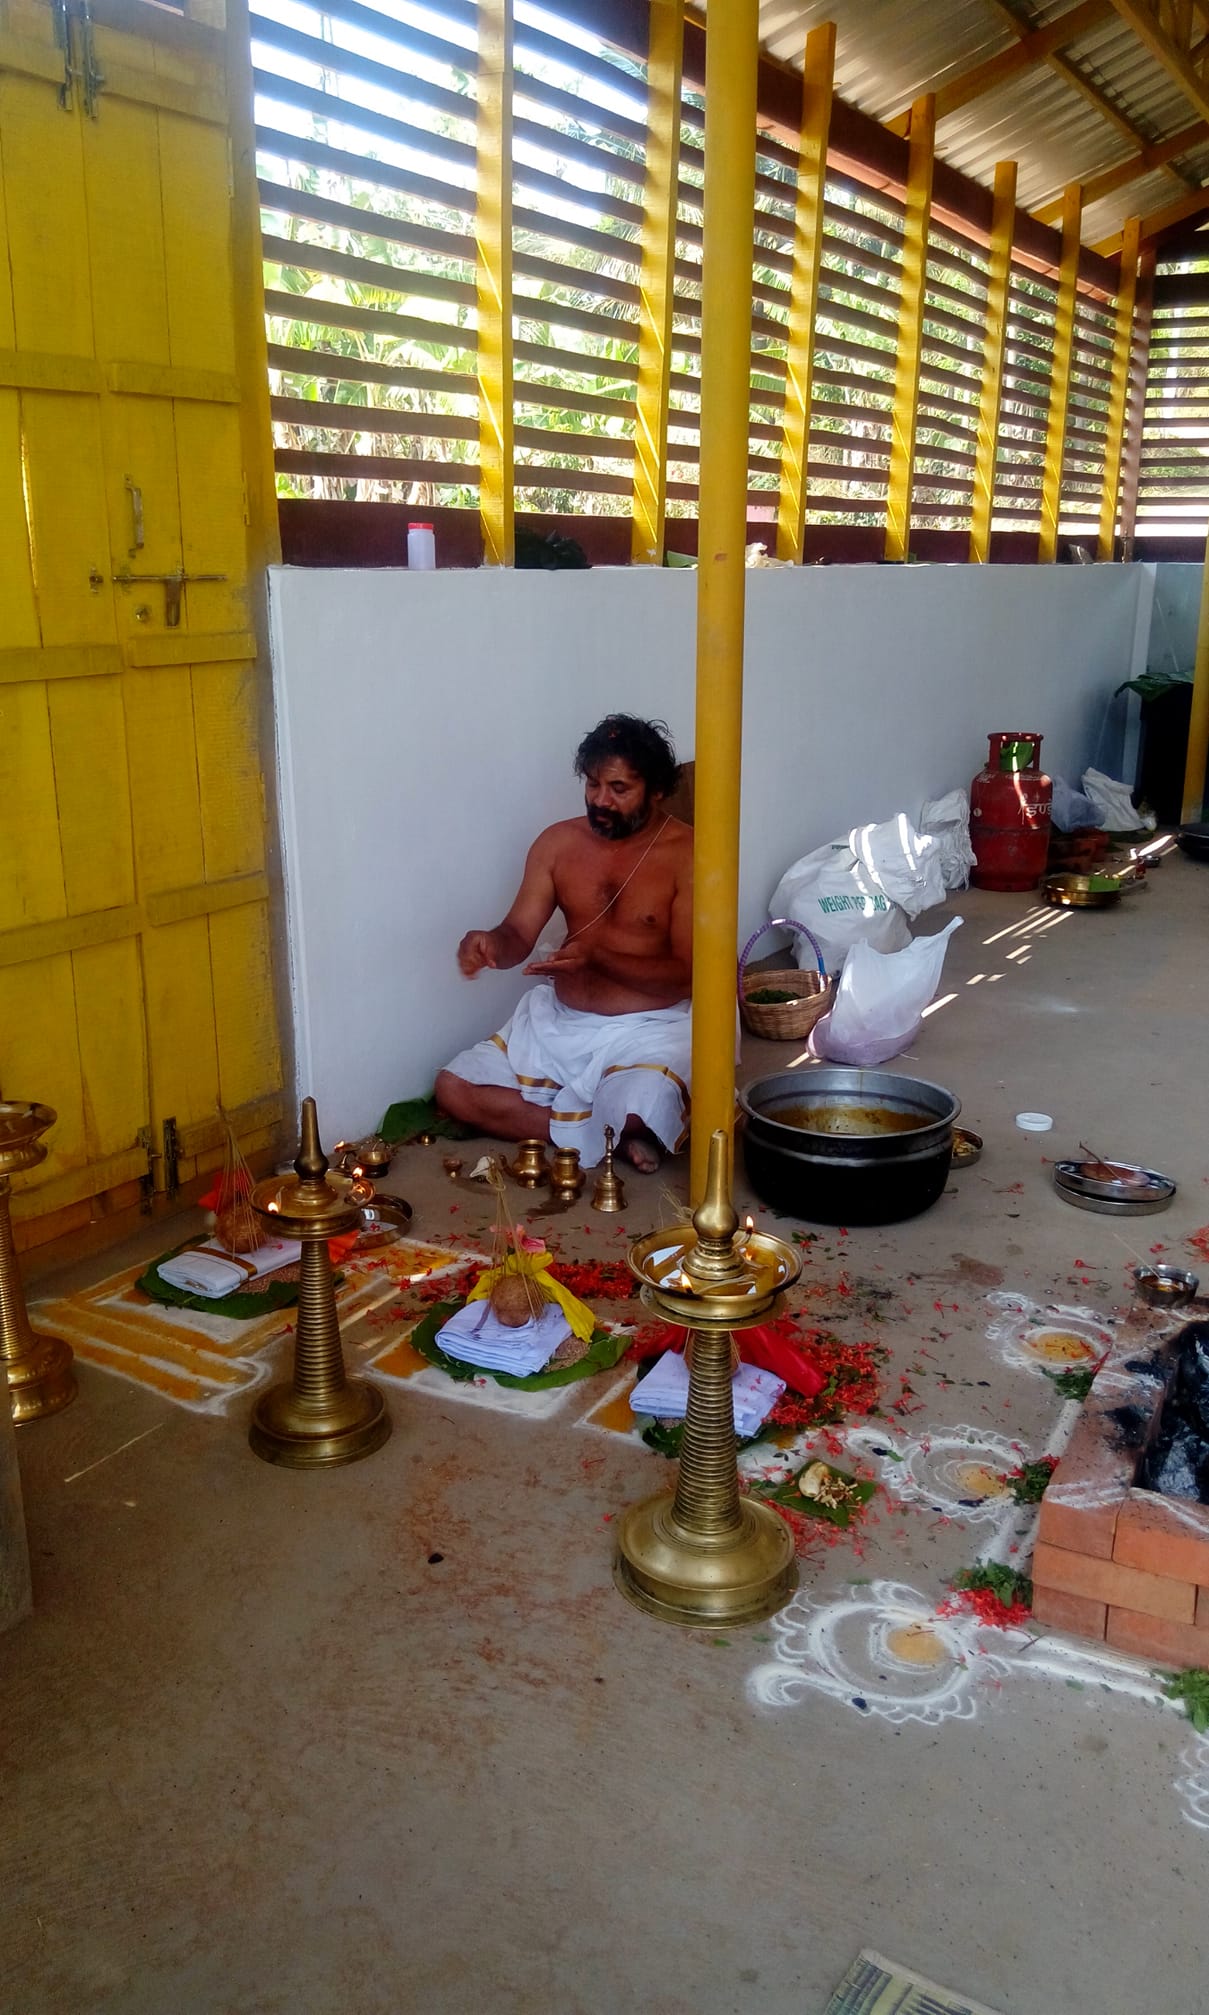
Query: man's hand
[569, 958]
[477, 950]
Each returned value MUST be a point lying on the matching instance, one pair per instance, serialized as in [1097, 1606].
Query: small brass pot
[529, 1168]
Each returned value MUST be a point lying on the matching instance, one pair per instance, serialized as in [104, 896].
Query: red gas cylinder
[1010, 815]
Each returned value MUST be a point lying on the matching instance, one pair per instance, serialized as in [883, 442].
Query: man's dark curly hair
[645, 745]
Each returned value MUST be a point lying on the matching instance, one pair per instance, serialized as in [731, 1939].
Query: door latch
[73, 33]
[172, 1154]
[172, 583]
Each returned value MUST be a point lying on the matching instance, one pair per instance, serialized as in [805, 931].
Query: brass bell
[609, 1193]
[566, 1175]
[529, 1168]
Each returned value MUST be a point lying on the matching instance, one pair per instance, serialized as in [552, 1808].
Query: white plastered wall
[426, 729]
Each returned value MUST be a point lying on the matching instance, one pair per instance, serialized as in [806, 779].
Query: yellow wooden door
[136, 990]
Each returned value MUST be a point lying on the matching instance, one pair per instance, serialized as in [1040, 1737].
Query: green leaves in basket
[770, 997]
[602, 1354]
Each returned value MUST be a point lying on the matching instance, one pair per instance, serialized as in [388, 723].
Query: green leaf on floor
[1191, 1690]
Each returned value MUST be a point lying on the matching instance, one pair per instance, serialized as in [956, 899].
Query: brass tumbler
[566, 1175]
[704, 1555]
[37, 1367]
[322, 1418]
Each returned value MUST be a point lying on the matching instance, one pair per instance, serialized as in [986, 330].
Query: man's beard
[618, 825]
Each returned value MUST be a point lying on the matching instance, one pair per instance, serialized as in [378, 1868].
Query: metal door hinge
[171, 1158]
[81, 71]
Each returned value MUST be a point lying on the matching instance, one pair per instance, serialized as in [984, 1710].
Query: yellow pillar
[656, 286]
[730, 165]
[1198, 726]
[910, 327]
[999, 280]
[493, 261]
[1122, 354]
[1059, 384]
[817, 81]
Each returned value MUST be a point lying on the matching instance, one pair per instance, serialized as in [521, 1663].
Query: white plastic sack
[1072, 811]
[837, 899]
[880, 1000]
[1113, 802]
[947, 820]
[903, 864]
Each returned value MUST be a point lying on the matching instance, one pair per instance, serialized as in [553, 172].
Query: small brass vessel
[566, 1175]
[529, 1168]
[37, 1367]
[375, 1156]
[609, 1194]
[703, 1555]
[322, 1418]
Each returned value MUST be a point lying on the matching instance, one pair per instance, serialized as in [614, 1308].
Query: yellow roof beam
[1155, 154]
[1171, 45]
[997, 70]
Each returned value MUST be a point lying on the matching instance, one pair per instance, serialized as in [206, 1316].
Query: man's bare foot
[639, 1147]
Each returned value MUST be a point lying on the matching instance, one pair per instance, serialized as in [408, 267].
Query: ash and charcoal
[1177, 1461]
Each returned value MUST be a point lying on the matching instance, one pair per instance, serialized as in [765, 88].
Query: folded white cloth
[476, 1336]
[664, 1393]
[209, 1271]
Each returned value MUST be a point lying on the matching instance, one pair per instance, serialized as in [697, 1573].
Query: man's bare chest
[630, 897]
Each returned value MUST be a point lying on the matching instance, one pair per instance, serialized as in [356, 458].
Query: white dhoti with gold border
[591, 1070]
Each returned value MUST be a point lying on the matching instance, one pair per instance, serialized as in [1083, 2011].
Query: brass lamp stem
[707, 1488]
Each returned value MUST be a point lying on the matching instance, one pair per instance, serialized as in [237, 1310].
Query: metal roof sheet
[888, 52]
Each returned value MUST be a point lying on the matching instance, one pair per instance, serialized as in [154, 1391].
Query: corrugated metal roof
[888, 52]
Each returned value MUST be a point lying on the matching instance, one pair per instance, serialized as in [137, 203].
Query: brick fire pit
[1123, 1566]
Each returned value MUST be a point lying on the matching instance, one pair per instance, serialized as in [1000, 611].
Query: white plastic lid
[1034, 1122]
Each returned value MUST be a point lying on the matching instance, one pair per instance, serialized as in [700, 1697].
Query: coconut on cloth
[530, 1268]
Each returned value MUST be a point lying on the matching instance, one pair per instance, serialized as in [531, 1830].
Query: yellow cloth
[535, 1264]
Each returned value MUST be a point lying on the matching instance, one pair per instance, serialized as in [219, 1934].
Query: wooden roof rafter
[1034, 46]
[1174, 31]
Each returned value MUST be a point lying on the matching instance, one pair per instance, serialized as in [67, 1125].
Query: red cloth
[770, 1347]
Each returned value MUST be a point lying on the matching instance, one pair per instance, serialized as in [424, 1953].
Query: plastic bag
[947, 820]
[840, 903]
[903, 864]
[1114, 804]
[880, 1000]
[1071, 811]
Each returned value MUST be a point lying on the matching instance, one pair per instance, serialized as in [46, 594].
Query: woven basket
[784, 1021]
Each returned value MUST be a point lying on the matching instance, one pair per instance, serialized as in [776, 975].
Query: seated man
[605, 1037]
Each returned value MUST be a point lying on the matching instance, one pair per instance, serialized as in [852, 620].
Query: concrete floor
[264, 1753]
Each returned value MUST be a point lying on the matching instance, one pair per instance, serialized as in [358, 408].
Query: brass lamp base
[35, 1367]
[288, 1431]
[683, 1577]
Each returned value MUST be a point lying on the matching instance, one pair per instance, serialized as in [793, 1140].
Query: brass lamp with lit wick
[703, 1554]
[322, 1418]
[36, 1367]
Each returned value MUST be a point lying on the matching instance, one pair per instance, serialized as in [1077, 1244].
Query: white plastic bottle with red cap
[421, 548]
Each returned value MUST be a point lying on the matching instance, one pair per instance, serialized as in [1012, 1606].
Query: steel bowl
[1165, 1286]
[879, 1150]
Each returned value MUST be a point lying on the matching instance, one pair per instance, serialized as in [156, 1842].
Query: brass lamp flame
[704, 1555]
[36, 1367]
[322, 1418]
